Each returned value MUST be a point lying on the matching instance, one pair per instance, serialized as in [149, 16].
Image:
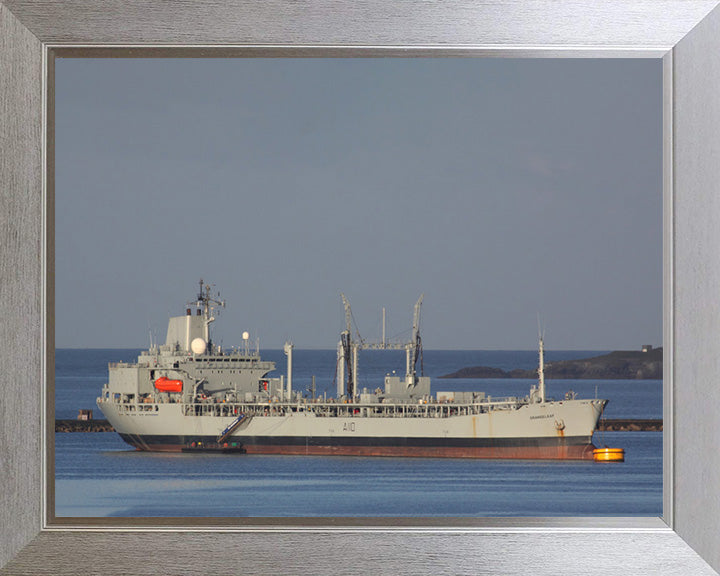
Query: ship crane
[347, 355]
[414, 347]
[348, 349]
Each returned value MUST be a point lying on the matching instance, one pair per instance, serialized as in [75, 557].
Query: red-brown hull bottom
[557, 452]
[515, 452]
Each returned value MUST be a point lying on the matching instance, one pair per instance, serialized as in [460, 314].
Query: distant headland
[622, 365]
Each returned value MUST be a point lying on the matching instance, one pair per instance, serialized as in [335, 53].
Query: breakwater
[632, 425]
[609, 425]
[83, 426]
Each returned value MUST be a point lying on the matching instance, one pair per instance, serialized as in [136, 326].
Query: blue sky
[499, 188]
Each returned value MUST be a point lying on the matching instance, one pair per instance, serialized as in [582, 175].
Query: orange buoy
[609, 455]
[166, 385]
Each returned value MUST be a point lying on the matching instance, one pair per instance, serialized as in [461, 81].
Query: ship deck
[425, 409]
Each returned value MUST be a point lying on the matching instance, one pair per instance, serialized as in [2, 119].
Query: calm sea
[97, 474]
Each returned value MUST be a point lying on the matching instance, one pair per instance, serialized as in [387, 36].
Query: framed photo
[683, 34]
[503, 190]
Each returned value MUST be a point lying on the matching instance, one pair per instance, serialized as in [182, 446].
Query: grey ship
[190, 395]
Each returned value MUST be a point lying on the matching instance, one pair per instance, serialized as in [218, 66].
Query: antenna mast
[541, 364]
[205, 302]
[383, 328]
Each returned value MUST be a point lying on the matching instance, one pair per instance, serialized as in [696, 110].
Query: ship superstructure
[191, 395]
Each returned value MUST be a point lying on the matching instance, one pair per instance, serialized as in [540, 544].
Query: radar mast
[206, 303]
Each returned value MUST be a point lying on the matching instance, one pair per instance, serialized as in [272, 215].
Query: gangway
[231, 428]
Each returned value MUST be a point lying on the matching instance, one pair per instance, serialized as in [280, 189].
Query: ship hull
[564, 448]
[553, 430]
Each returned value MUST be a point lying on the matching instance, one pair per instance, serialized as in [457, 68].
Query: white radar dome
[198, 346]
[246, 335]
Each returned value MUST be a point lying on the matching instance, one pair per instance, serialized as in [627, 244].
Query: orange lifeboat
[164, 384]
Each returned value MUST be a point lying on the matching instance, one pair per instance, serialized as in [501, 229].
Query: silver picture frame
[685, 34]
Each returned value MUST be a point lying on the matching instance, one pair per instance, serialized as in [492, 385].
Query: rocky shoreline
[621, 365]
